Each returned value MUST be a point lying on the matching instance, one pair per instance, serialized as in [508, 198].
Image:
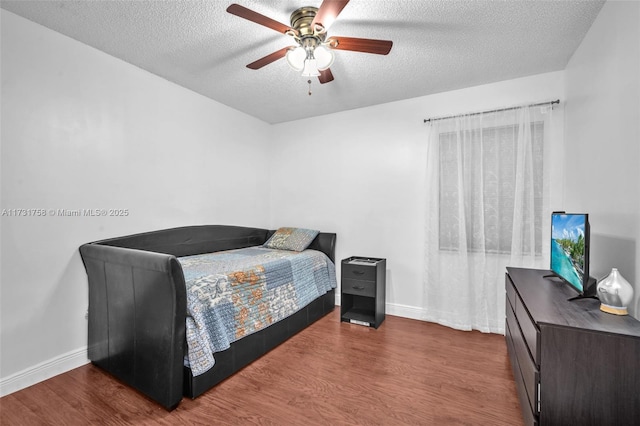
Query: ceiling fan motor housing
[302, 18]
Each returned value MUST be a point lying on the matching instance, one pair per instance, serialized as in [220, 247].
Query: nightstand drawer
[359, 287]
[359, 272]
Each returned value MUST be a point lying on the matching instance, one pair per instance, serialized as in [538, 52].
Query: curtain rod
[557, 101]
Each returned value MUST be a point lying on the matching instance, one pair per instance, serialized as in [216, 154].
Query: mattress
[232, 294]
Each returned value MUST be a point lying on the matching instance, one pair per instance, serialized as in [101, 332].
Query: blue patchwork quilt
[231, 294]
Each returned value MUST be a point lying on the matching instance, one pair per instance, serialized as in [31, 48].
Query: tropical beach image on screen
[568, 248]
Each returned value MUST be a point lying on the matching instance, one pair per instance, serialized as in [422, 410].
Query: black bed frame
[137, 309]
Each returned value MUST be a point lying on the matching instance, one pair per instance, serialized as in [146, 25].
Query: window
[480, 171]
[488, 185]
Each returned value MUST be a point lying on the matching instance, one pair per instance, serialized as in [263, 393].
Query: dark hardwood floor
[332, 373]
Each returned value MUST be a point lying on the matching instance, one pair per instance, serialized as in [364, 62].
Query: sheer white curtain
[487, 207]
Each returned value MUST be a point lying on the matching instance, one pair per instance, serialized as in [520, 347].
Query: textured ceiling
[438, 46]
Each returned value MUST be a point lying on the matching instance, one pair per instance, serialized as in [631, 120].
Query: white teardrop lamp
[296, 57]
[324, 56]
[615, 293]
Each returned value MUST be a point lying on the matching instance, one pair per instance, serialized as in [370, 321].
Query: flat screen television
[570, 251]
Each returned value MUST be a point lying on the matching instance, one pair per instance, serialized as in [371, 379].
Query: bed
[152, 296]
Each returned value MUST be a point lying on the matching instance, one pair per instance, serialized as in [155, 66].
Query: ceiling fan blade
[278, 54]
[328, 12]
[325, 76]
[366, 45]
[243, 12]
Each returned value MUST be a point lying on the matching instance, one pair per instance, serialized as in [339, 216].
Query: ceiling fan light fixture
[310, 68]
[296, 58]
[324, 57]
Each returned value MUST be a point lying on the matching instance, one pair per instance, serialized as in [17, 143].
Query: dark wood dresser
[573, 364]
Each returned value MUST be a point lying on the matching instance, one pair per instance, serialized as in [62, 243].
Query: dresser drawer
[528, 415]
[527, 368]
[359, 272]
[530, 332]
[359, 287]
[511, 293]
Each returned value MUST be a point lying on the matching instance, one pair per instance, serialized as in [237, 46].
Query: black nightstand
[362, 297]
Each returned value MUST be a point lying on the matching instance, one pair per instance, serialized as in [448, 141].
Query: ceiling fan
[313, 53]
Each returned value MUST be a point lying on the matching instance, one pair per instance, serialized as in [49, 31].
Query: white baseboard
[43, 371]
[405, 311]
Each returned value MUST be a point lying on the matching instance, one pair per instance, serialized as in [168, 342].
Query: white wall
[361, 174]
[83, 130]
[603, 138]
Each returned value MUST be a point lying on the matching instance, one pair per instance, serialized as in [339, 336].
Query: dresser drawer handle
[358, 272]
[357, 287]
